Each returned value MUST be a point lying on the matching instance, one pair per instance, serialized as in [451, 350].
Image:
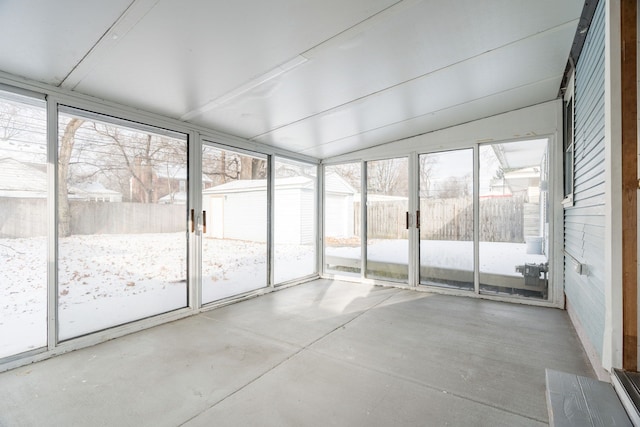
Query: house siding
[584, 222]
[245, 216]
[287, 216]
[307, 216]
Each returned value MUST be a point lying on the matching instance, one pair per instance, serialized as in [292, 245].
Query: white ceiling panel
[44, 40]
[515, 65]
[412, 43]
[489, 106]
[181, 55]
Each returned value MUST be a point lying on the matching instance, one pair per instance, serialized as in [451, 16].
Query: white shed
[238, 209]
[338, 207]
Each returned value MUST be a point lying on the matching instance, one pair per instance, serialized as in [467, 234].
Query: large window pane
[23, 225]
[387, 210]
[122, 216]
[446, 219]
[513, 219]
[234, 246]
[294, 233]
[342, 246]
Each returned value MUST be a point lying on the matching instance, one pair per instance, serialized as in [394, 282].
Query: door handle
[204, 221]
[192, 220]
[418, 219]
[407, 220]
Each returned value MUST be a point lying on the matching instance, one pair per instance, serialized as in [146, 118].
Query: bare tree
[285, 169]
[350, 172]
[134, 159]
[454, 187]
[252, 168]
[64, 157]
[388, 177]
[426, 163]
[10, 125]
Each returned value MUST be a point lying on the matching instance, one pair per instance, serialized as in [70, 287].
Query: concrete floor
[324, 353]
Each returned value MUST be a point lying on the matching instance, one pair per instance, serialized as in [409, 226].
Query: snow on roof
[94, 188]
[242, 186]
[334, 183]
[19, 179]
[179, 197]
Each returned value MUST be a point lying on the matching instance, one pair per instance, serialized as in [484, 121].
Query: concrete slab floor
[322, 353]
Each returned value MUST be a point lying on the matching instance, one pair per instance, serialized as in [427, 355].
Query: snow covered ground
[108, 280]
[495, 257]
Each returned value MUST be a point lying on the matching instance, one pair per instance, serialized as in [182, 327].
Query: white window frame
[568, 143]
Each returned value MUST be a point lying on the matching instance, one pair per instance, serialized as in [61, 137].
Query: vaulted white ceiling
[318, 77]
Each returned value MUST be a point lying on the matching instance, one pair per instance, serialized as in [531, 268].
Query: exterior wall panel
[585, 221]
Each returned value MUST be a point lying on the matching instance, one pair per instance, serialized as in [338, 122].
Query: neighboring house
[29, 181]
[22, 180]
[170, 180]
[177, 198]
[93, 192]
[168, 183]
[23, 198]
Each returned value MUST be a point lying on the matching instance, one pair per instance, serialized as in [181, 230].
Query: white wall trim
[612, 339]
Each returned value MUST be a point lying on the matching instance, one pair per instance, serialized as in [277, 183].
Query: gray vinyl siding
[584, 222]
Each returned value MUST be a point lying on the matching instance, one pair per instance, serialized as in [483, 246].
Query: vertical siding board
[584, 221]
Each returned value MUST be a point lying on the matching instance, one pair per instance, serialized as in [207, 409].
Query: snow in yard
[108, 280]
[495, 257]
[232, 267]
[23, 294]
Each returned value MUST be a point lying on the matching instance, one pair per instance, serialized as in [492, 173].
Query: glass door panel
[342, 244]
[294, 232]
[234, 242]
[23, 224]
[122, 223]
[446, 219]
[514, 237]
[387, 219]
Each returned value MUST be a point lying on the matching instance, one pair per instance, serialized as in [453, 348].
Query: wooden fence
[501, 219]
[23, 218]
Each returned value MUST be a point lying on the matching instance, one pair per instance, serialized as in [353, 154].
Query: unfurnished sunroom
[162, 159]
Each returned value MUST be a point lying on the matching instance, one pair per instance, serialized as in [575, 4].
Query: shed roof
[241, 186]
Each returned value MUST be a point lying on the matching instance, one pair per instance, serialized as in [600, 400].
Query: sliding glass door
[23, 224]
[446, 219]
[514, 224]
[388, 219]
[234, 218]
[477, 219]
[294, 220]
[122, 222]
